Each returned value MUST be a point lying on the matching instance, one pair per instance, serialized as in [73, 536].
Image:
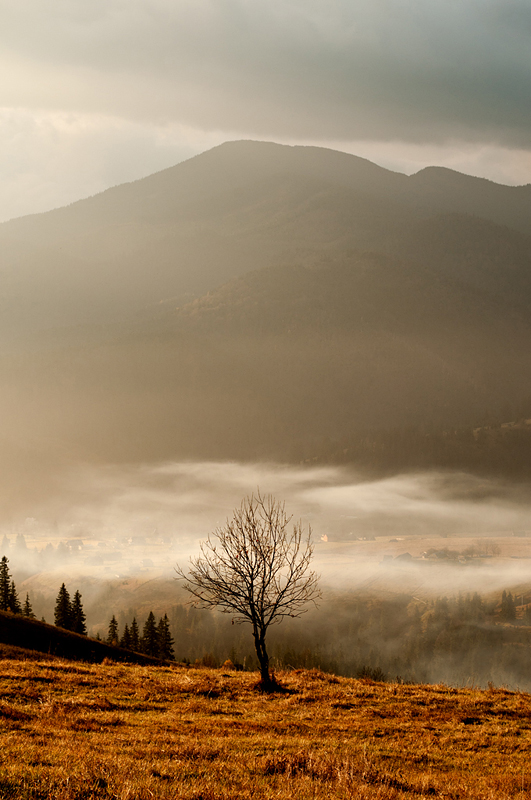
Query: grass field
[78, 731]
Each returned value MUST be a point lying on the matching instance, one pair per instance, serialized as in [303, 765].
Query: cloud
[416, 71]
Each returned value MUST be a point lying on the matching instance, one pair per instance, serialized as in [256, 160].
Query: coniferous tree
[63, 609]
[5, 584]
[149, 642]
[135, 636]
[27, 610]
[13, 602]
[125, 641]
[165, 639]
[78, 615]
[112, 635]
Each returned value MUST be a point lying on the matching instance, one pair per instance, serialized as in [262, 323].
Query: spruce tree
[13, 602]
[63, 609]
[27, 610]
[149, 643]
[165, 640]
[135, 636]
[78, 615]
[5, 584]
[125, 641]
[112, 635]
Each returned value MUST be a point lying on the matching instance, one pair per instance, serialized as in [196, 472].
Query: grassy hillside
[117, 731]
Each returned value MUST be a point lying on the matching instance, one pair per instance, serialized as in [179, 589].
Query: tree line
[156, 639]
[494, 448]
[9, 600]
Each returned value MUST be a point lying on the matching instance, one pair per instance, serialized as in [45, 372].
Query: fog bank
[433, 532]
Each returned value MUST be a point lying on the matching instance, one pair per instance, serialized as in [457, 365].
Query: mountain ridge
[192, 227]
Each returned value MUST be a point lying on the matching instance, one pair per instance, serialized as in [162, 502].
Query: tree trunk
[263, 658]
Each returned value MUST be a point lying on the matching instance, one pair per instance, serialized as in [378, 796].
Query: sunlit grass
[73, 731]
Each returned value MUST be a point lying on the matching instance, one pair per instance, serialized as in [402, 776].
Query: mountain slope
[260, 301]
[240, 206]
[279, 360]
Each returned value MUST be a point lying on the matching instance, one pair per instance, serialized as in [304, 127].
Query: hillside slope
[30, 634]
[199, 733]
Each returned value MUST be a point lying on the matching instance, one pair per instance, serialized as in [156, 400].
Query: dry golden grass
[78, 731]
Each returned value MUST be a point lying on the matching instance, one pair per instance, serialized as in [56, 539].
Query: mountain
[241, 206]
[261, 301]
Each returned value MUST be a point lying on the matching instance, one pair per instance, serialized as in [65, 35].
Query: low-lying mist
[462, 533]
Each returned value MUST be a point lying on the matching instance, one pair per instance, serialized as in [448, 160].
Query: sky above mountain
[95, 94]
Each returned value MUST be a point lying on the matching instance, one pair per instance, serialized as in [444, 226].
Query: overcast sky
[98, 92]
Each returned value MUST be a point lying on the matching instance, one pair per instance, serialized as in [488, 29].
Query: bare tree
[257, 568]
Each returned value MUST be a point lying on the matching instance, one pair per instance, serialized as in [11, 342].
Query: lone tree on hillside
[257, 568]
[27, 610]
